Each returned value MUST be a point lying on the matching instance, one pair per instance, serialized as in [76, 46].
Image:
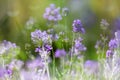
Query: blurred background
[14, 15]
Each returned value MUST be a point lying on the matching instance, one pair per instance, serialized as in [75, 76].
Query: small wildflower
[39, 37]
[77, 26]
[78, 47]
[113, 44]
[104, 24]
[30, 23]
[36, 63]
[60, 53]
[52, 13]
[117, 37]
[109, 53]
[91, 67]
[38, 49]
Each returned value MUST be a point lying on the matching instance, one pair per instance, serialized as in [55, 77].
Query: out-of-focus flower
[104, 24]
[78, 47]
[65, 11]
[98, 44]
[48, 47]
[52, 13]
[39, 37]
[77, 26]
[117, 37]
[9, 72]
[30, 23]
[36, 63]
[7, 47]
[38, 49]
[60, 53]
[113, 44]
[15, 64]
[109, 53]
[91, 67]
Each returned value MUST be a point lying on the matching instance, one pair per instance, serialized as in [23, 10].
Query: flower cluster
[52, 13]
[78, 46]
[112, 45]
[6, 46]
[39, 37]
[77, 26]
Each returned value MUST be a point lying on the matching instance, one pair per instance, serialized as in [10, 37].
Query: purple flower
[77, 26]
[117, 37]
[7, 47]
[104, 24]
[113, 44]
[48, 47]
[9, 72]
[38, 49]
[91, 67]
[40, 37]
[109, 53]
[78, 47]
[60, 53]
[36, 63]
[52, 13]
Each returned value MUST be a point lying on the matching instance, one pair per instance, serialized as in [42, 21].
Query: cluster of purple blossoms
[60, 53]
[5, 72]
[36, 63]
[113, 44]
[78, 46]
[7, 47]
[39, 37]
[77, 26]
[47, 48]
[52, 13]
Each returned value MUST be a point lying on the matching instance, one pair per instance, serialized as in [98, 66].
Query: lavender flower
[113, 44]
[91, 67]
[60, 53]
[36, 63]
[78, 46]
[9, 72]
[52, 13]
[38, 49]
[7, 47]
[39, 37]
[109, 53]
[117, 37]
[104, 24]
[47, 48]
[77, 26]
